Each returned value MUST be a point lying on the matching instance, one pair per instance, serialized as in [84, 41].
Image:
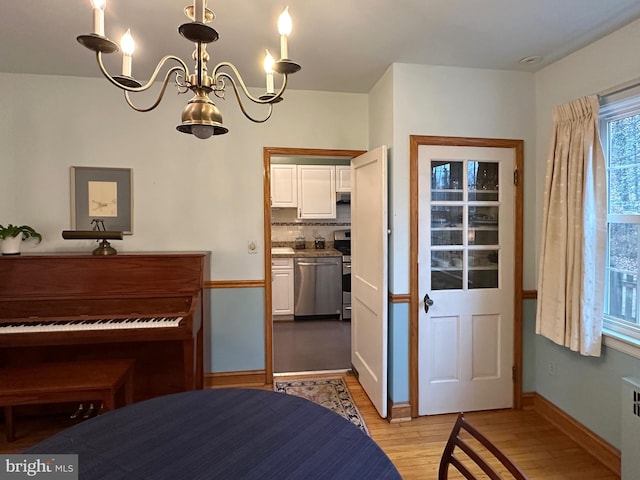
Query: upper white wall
[188, 194]
[381, 111]
[459, 102]
[381, 133]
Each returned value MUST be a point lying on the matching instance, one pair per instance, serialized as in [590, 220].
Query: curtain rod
[619, 88]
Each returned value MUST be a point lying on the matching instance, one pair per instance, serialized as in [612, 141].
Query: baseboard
[602, 450]
[235, 379]
[528, 400]
[398, 412]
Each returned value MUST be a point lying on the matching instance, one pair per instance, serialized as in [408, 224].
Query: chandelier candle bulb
[268, 68]
[98, 16]
[284, 27]
[198, 10]
[128, 46]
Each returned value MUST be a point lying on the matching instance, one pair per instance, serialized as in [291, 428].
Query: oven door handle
[307, 264]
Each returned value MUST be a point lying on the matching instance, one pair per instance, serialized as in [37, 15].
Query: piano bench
[83, 380]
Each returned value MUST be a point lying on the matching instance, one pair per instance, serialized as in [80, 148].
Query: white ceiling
[342, 45]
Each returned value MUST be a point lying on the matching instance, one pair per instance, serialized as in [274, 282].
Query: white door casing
[466, 266]
[369, 241]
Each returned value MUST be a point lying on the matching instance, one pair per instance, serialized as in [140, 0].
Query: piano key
[89, 324]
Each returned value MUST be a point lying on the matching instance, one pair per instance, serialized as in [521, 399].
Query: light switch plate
[252, 246]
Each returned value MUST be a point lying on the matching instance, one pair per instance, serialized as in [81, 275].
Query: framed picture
[102, 194]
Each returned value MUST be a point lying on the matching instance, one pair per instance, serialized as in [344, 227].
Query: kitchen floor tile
[310, 345]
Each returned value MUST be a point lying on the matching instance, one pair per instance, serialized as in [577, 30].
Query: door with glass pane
[466, 271]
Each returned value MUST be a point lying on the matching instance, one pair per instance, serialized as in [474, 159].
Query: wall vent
[630, 429]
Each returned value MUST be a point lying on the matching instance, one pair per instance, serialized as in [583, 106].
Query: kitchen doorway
[314, 344]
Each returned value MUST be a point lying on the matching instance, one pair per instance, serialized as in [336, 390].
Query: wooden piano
[75, 307]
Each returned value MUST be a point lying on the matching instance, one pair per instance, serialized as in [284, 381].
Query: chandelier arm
[182, 67]
[160, 95]
[224, 75]
[217, 72]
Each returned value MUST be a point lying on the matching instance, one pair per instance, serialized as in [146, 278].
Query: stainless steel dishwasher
[317, 286]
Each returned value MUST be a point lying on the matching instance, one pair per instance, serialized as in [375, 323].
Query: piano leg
[189, 363]
[192, 358]
[200, 359]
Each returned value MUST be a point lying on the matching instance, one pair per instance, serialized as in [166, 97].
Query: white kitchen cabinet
[284, 185]
[282, 286]
[343, 178]
[316, 191]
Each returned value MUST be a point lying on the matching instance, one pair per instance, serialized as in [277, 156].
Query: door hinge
[513, 373]
[516, 178]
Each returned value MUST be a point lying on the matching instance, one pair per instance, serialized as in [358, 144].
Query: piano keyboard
[89, 324]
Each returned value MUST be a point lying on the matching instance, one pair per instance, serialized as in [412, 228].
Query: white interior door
[369, 274]
[466, 268]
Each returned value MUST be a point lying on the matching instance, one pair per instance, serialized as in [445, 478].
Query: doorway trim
[267, 153]
[415, 141]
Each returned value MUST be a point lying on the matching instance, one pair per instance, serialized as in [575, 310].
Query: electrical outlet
[252, 246]
[552, 369]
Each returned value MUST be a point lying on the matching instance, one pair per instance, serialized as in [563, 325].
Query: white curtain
[573, 250]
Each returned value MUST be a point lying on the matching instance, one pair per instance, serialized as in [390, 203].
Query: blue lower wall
[586, 388]
[398, 363]
[236, 336]
[528, 346]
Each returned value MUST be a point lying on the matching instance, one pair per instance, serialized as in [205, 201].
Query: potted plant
[12, 236]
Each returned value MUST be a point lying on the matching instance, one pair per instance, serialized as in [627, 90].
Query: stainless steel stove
[342, 243]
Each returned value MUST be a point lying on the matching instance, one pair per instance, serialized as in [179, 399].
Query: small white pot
[11, 245]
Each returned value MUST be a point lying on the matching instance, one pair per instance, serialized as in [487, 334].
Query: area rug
[331, 393]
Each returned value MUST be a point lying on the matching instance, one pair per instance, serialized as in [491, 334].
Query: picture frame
[102, 193]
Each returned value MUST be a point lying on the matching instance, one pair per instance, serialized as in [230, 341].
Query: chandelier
[200, 116]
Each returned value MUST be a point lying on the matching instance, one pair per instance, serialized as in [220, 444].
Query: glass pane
[483, 226]
[444, 216]
[446, 236]
[624, 189]
[446, 180]
[446, 225]
[623, 296]
[483, 279]
[623, 247]
[487, 259]
[622, 269]
[483, 269]
[483, 236]
[446, 270]
[482, 179]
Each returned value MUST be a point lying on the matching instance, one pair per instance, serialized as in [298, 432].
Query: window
[620, 133]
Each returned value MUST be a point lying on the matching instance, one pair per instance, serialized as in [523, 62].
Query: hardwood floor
[542, 451]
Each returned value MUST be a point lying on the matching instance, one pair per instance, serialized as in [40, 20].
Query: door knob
[427, 303]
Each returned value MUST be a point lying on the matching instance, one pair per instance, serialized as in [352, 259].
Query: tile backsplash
[285, 226]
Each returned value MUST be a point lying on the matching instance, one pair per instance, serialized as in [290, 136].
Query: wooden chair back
[480, 454]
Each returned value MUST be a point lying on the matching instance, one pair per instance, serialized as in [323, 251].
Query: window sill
[621, 343]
